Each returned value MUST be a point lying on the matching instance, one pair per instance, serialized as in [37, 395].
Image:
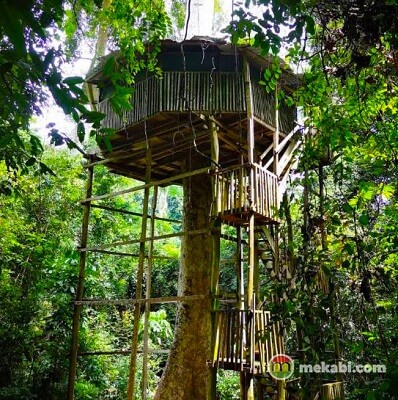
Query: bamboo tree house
[208, 107]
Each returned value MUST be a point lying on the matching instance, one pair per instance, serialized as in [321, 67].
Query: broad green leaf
[81, 131]
[364, 219]
[73, 80]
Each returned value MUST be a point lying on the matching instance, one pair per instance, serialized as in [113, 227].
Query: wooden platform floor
[241, 217]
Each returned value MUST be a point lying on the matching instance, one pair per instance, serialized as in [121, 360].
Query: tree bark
[186, 376]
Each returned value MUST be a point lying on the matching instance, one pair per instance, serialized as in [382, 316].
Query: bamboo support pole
[242, 314]
[248, 376]
[251, 264]
[148, 185]
[256, 272]
[126, 352]
[127, 212]
[133, 302]
[266, 151]
[135, 241]
[249, 111]
[275, 140]
[137, 311]
[240, 271]
[287, 138]
[148, 295]
[215, 260]
[80, 289]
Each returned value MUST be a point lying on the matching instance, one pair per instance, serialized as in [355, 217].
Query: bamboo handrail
[247, 187]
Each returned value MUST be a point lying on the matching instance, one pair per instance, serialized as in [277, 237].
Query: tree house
[207, 115]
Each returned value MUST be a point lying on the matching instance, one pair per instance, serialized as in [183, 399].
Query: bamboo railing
[179, 92]
[246, 188]
[213, 92]
[264, 109]
[246, 340]
[332, 391]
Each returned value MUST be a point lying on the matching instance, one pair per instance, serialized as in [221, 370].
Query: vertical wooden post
[281, 385]
[276, 136]
[249, 112]
[148, 294]
[249, 387]
[281, 389]
[240, 272]
[251, 266]
[215, 146]
[246, 386]
[275, 254]
[140, 271]
[215, 262]
[80, 285]
[215, 272]
[256, 273]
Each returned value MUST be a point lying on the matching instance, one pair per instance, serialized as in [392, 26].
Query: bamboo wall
[208, 92]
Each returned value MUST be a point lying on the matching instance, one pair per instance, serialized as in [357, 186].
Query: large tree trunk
[186, 374]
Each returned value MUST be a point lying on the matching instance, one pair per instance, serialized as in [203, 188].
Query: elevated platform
[246, 190]
[202, 83]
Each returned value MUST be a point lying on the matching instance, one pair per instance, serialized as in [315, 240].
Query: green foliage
[31, 57]
[36, 278]
[343, 254]
[178, 13]
[228, 387]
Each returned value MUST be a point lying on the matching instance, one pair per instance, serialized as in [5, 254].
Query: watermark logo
[342, 368]
[281, 367]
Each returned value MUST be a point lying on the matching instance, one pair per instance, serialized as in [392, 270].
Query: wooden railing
[246, 340]
[179, 92]
[264, 109]
[214, 92]
[246, 188]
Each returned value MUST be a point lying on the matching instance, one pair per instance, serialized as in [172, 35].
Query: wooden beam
[269, 238]
[275, 140]
[287, 138]
[267, 150]
[268, 126]
[134, 301]
[287, 157]
[115, 253]
[148, 295]
[121, 352]
[139, 284]
[249, 111]
[80, 287]
[234, 136]
[233, 239]
[127, 212]
[135, 241]
[148, 185]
